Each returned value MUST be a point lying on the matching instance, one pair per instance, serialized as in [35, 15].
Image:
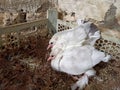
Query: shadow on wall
[110, 20]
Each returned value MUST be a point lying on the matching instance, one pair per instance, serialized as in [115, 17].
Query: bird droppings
[26, 68]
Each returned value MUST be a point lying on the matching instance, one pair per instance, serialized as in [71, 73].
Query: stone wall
[106, 12]
[27, 5]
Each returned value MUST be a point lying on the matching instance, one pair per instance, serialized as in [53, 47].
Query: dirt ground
[26, 68]
[1, 18]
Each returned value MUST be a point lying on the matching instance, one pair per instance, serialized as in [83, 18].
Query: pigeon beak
[49, 46]
[49, 59]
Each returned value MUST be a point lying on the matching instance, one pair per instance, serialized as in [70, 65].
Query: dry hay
[17, 72]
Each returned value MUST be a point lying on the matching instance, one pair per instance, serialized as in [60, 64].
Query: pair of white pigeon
[73, 52]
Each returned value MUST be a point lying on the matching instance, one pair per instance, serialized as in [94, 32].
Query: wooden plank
[21, 26]
[52, 16]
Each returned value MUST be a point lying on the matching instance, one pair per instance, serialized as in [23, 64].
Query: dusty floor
[1, 18]
[26, 68]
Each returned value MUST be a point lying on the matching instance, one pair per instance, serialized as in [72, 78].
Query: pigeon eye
[52, 55]
[51, 43]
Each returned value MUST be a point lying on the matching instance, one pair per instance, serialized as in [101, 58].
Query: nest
[26, 68]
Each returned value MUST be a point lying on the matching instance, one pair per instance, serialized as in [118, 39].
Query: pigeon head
[52, 42]
[51, 57]
[54, 53]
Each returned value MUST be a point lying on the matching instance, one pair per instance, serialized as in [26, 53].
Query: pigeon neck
[58, 59]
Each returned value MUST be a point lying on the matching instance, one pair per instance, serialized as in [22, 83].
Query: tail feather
[107, 58]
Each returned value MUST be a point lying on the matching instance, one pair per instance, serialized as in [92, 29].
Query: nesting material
[17, 75]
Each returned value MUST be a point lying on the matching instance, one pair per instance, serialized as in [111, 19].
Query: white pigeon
[75, 33]
[77, 60]
[72, 39]
[83, 34]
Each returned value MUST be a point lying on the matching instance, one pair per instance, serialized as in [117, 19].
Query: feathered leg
[83, 81]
